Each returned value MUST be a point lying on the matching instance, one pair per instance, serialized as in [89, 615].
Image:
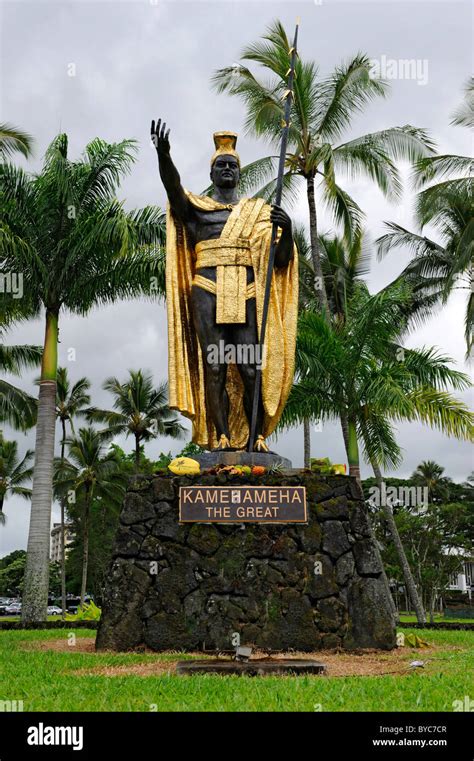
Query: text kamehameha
[243, 502]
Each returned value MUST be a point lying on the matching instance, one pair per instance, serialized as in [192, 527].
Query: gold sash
[230, 256]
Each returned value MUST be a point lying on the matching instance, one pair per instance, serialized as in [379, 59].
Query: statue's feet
[261, 445]
[224, 443]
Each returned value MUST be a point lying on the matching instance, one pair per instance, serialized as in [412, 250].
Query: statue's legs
[209, 335]
[245, 336]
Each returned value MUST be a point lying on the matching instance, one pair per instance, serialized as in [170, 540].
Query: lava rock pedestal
[306, 587]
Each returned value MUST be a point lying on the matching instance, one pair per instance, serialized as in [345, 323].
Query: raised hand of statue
[280, 216]
[160, 137]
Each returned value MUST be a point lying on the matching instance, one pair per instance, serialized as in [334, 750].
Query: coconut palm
[90, 472]
[343, 266]
[14, 472]
[13, 140]
[70, 401]
[140, 410]
[322, 110]
[430, 475]
[387, 509]
[357, 368]
[437, 268]
[78, 248]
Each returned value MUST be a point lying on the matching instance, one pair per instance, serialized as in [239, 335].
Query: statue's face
[225, 172]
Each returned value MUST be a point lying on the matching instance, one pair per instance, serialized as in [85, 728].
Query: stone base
[267, 459]
[282, 587]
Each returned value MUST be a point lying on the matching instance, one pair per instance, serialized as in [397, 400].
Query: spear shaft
[271, 258]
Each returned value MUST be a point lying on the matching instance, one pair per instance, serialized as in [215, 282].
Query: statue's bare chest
[207, 225]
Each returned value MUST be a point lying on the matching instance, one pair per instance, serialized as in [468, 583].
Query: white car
[53, 610]
[14, 609]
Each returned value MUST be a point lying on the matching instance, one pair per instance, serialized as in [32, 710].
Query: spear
[271, 259]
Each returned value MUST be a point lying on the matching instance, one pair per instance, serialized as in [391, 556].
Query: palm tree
[14, 473]
[344, 264]
[69, 402]
[90, 472]
[359, 366]
[356, 367]
[78, 248]
[322, 110]
[387, 509]
[439, 268]
[430, 475]
[343, 267]
[13, 140]
[140, 410]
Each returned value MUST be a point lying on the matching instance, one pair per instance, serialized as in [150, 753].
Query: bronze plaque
[242, 504]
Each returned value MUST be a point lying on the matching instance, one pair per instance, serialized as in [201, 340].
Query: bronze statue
[216, 255]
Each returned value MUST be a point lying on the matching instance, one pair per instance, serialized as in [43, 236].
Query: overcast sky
[133, 61]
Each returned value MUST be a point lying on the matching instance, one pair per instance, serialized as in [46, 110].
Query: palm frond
[344, 209]
[17, 408]
[433, 168]
[464, 114]
[344, 93]
[14, 140]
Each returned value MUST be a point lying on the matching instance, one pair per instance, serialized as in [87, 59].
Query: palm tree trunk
[137, 453]
[353, 451]
[392, 527]
[345, 429]
[85, 547]
[63, 531]
[35, 594]
[319, 285]
[307, 442]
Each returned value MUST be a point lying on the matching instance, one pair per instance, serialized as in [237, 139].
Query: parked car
[53, 610]
[14, 609]
[4, 603]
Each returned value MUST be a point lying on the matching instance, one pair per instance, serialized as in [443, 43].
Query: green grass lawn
[438, 618]
[52, 681]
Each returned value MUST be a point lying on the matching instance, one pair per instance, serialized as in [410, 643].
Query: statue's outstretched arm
[180, 205]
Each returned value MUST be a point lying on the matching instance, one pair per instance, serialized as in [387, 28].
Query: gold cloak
[250, 219]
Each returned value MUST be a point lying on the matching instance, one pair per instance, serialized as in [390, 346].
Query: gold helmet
[225, 143]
